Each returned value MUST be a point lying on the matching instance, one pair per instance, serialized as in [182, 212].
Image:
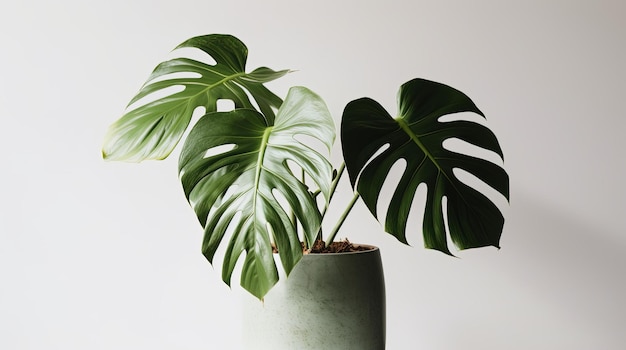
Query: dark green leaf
[416, 136]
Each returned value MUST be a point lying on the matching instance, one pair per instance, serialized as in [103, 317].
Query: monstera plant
[257, 186]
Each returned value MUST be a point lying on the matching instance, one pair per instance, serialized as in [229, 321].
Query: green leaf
[234, 189]
[416, 136]
[152, 130]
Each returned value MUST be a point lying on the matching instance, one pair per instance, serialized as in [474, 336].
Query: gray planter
[329, 301]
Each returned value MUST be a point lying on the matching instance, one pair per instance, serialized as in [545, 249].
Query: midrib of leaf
[424, 149]
[432, 158]
[185, 100]
[226, 78]
[419, 143]
[257, 175]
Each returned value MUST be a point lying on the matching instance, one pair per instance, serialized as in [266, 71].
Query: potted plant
[258, 187]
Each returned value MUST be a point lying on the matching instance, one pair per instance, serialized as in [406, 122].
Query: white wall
[97, 255]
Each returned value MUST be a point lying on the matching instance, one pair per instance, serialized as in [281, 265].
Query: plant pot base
[329, 301]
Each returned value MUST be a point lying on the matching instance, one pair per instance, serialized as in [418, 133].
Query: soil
[335, 247]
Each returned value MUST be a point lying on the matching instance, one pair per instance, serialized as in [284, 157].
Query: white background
[97, 255]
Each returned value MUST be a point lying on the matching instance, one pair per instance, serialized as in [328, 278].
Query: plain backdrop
[99, 255]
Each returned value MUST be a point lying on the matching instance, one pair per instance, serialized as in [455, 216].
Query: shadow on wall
[577, 268]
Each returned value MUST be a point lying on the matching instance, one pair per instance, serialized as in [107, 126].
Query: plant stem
[295, 220]
[333, 188]
[332, 235]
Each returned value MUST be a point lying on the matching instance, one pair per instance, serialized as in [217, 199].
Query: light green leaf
[235, 188]
[152, 130]
[417, 136]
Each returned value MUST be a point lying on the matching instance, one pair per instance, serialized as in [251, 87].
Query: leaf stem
[333, 188]
[294, 219]
[332, 235]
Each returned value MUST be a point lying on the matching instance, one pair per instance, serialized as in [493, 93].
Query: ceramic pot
[329, 301]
